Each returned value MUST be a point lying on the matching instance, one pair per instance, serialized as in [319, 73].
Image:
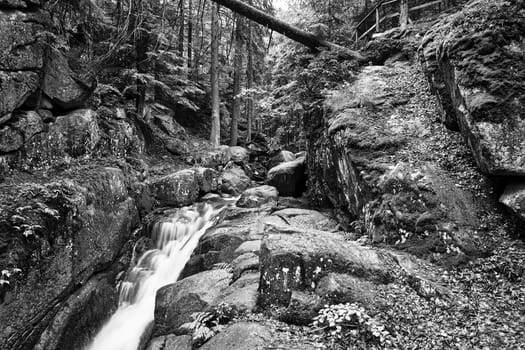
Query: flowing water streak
[176, 239]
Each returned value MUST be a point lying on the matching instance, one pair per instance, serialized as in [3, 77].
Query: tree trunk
[181, 28]
[237, 68]
[214, 76]
[190, 33]
[284, 28]
[403, 14]
[249, 85]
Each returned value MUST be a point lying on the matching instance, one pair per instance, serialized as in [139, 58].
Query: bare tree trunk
[403, 14]
[282, 27]
[181, 28]
[249, 84]
[237, 68]
[190, 33]
[214, 74]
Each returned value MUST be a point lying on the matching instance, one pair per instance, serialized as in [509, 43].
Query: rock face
[239, 155]
[175, 303]
[257, 196]
[59, 234]
[289, 178]
[479, 79]
[240, 336]
[389, 166]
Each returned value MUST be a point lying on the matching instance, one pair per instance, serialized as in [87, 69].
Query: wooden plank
[428, 4]
[367, 32]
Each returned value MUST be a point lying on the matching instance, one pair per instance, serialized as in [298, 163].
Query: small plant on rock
[349, 323]
[205, 325]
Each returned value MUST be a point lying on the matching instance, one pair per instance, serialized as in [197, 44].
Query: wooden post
[377, 19]
[403, 14]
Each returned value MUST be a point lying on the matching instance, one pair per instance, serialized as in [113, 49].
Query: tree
[282, 27]
[249, 85]
[214, 76]
[237, 68]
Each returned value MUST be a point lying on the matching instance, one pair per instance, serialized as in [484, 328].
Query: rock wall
[55, 236]
[475, 63]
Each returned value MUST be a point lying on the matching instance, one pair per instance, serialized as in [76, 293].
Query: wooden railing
[388, 14]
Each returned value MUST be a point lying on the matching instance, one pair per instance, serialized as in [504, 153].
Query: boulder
[302, 309]
[177, 189]
[61, 85]
[214, 158]
[15, 88]
[282, 157]
[244, 263]
[241, 298]
[240, 336]
[294, 259]
[207, 179]
[234, 180]
[175, 303]
[514, 198]
[28, 123]
[239, 155]
[257, 196]
[10, 139]
[289, 178]
[73, 135]
[337, 288]
[170, 342]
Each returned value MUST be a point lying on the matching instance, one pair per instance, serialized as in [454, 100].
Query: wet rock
[60, 84]
[240, 336]
[170, 342]
[239, 155]
[207, 179]
[241, 298]
[83, 312]
[60, 232]
[293, 259]
[234, 180]
[514, 198]
[289, 178]
[248, 247]
[175, 303]
[257, 196]
[243, 263]
[177, 189]
[282, 157]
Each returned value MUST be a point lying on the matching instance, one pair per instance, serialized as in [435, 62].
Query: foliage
[349, 323]
[206, 324]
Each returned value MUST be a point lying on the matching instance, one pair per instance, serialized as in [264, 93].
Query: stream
[176, 237]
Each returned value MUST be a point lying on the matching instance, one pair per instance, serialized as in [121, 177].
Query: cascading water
[176, 239]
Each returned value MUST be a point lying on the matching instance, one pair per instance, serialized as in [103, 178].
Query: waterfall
[176, 238]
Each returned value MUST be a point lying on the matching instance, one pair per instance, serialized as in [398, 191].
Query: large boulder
[281, 157]
[240, 336]
[234, 180]
[475, 73]
[176, 302]
[514, 198]
[207, 179]
[294, 259]
[73, 135]
[289, 178]
[257, 196]
[306, 219]
[239, 155]
[61, 85]
[177, 189]
[60, 233]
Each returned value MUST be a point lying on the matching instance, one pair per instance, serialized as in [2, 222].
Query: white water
[176, 239]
